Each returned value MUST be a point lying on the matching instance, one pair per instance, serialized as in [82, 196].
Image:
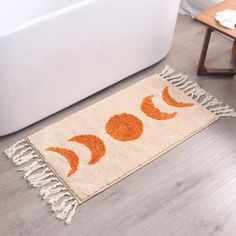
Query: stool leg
[234, 50]
[202, 70]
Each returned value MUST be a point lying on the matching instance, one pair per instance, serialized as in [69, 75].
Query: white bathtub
[54, 53]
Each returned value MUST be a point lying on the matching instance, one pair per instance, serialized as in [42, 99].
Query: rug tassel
[215, 109]
[32, 167]
[175, 78]
[23, 159]
[227, 112]
[38, 175]
[182, 81]
[230, 114]
[21, 153]
[67, 212]
[53, 200]
[185, 85]
[190, 88]
[167, 71]
[54, 191]
[42, 182]
[164, 70]
[71, 213]
[46, 191]
[61, 206]
[198, 94]
[207, 99]
[13, 149]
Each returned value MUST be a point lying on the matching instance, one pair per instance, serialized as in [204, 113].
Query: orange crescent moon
[150, 110]
[171, 101]
[72, 158]
[95, 144]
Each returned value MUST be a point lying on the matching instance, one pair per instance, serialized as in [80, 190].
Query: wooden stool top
[208, 18]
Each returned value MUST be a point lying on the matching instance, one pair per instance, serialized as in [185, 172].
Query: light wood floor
[190, 191]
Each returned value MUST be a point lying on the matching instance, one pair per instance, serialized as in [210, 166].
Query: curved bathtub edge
[8, 131]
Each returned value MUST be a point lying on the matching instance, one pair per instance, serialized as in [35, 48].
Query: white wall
[193, 7]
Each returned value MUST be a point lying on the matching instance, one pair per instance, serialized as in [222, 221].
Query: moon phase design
[95, 144]
[72, 158]
[150, 110]
[124, 127]
[171, 101]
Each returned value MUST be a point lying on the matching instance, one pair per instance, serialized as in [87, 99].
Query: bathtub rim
[45, 17]
[16, 130]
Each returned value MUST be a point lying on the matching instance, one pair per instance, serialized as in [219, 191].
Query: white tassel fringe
[198, 94]
[39, 175]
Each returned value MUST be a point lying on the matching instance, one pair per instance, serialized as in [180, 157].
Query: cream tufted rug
[80, 156]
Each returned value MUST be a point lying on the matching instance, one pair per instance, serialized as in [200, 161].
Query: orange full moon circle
[124, 127]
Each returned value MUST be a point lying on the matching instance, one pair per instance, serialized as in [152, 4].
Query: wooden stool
[208, 18]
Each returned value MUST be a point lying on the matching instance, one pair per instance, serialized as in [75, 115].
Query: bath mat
[85, 153]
